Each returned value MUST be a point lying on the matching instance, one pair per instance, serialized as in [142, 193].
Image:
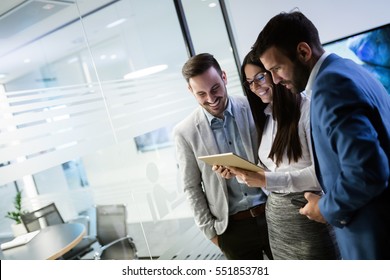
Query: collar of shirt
[314, 73]
[268, 110]
[228, 109]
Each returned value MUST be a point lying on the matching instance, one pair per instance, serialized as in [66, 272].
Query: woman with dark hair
[283, 125]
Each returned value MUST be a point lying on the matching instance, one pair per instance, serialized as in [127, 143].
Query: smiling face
[209, 89]
[292, 75]
[263, 90]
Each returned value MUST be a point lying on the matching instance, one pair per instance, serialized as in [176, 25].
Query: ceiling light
[145, 72]
[116, 23]
[212, 5]
[72, 60]
[48, 7]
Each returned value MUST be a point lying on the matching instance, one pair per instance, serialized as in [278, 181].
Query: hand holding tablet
[230, 159]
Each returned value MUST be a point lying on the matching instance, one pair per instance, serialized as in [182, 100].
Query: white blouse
[295, 176]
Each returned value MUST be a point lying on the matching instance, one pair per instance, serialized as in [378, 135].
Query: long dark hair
[286, 110]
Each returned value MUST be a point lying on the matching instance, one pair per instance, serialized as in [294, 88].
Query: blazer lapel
[206, 136]
[205, 133]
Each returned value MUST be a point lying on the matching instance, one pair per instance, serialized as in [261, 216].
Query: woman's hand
[251, 178]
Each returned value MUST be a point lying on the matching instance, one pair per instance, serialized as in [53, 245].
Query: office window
[208, 32]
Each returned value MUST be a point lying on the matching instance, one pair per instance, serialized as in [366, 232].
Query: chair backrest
[41, 218]
[111, 229]
[110, 222]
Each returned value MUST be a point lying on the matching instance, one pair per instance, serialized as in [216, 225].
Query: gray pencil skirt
[293, 236]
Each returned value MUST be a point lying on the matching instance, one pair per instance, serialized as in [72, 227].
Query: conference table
[49, 244]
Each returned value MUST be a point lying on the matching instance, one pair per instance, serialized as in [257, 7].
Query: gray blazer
[206, 191]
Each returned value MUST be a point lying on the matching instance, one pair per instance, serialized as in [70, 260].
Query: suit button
[342, 222]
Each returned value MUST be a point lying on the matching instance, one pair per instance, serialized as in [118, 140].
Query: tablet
[230, 159]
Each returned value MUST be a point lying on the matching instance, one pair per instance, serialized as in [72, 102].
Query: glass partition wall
[89, 94]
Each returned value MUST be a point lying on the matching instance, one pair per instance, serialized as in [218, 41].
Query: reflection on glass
[75, 174]
[156, 139]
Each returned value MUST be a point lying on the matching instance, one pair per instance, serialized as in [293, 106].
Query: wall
[334, 18]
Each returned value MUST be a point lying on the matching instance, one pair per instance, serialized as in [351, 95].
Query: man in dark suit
[350, 122]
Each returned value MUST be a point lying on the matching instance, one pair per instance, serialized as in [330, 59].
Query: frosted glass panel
[99, 82]
[56, 124]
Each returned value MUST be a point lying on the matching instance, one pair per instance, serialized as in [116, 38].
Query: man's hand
[311, 209]
[223, 171]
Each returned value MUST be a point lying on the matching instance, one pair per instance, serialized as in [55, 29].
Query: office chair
[41, 218]
[111, 228]
[49, 215]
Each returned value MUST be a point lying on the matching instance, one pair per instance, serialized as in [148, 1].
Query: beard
[300, 77]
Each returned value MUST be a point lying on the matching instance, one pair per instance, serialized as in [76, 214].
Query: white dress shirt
[295, 176]
[314, 72]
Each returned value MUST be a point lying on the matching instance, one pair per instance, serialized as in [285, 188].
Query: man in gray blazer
[229, 213]
[349, 116]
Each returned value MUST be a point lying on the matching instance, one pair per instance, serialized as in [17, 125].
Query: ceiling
[31, 12]
[25, 25]
[36, 33]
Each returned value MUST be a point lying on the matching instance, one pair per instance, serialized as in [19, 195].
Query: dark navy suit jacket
[350, 119]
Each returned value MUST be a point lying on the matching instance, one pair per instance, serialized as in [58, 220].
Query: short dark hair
[198, 64]
[285, 31]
